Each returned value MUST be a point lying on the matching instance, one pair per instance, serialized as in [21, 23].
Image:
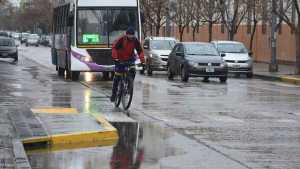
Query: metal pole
[273, 67]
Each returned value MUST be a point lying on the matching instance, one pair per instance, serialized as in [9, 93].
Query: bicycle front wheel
[119, 94]
[127, 93]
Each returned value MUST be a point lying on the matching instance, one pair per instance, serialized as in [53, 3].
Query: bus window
[92, 27]
[120, 21]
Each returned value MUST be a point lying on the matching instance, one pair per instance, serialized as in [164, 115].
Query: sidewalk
[286, 73]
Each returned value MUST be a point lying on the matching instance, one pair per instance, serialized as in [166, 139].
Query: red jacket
[123, 49]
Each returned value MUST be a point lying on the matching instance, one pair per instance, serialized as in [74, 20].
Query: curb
[285, 79]
[291, 80]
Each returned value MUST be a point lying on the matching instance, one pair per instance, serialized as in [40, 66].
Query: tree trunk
[194, 33]
[157, 29]
[253, 34]
[210, 31]
[181, 31]
[231, 35]
[298, 48]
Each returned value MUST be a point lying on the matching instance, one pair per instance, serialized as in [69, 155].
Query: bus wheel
[105, 75]
[60, 72]
[75, 75]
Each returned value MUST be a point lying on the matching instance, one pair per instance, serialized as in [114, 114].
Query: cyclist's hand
[116, 61]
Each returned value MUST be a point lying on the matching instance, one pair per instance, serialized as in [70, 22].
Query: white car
[157, 50]
[237, 56]
[33, 40]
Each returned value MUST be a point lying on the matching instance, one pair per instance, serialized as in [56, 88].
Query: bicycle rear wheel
[127, 93]
[119, 94]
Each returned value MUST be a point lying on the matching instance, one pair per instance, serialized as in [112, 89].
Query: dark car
[191, 59]
[4, 34]
[8, 48]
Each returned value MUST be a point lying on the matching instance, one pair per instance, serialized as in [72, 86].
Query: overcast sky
[15, 1]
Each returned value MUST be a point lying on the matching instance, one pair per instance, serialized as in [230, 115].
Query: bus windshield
[104, 26]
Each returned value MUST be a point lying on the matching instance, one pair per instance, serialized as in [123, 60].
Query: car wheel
[184, 74]
[206, 79]
[170, 74]
[61, 72]
[223, 79]
[149, 70]
[142, 72]
[75, 75]
[249, 75]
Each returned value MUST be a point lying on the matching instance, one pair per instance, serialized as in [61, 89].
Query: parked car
[157, 50]
[4, 34]
[24, 37]
[33, 40]
[237, 57]
[8, 48]
[45, 40]
[196, 59]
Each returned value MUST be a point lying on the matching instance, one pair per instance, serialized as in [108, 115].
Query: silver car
[157, 50]
[237, 57]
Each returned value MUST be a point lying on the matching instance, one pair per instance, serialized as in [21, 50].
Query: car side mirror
[146, 47]
[180, 54]
[223, 55]
[251, 54]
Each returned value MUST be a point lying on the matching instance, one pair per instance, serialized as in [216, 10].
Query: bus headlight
[86, 58]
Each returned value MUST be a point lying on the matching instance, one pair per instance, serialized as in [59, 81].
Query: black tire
[206, 79]
[127, 94]
[185, 74]
[149, 70]
[61, 72]
[106, 76]
[223, 79]
[16, 58]
[249, 75]
[75, 75]
[119, 94]
[170, 74]
[142, 72]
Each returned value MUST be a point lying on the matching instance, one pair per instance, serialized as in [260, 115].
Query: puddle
[139, 146]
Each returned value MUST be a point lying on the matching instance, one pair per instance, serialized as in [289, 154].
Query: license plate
[210, 70]
[236, 66]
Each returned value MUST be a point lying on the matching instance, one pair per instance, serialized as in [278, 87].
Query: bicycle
[125, 86]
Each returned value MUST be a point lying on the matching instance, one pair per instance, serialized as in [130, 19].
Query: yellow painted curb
[106, 137]
[55, 110]
[292, 80]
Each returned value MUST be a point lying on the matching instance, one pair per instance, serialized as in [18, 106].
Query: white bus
[84, 30]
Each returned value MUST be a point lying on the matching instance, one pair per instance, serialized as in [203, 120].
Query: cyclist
[123, 50]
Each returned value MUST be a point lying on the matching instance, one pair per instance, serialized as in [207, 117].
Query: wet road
[241, 124]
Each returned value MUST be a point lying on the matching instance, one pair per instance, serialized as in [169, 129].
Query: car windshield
[162, 44]
[232, 48]
[33, 37]
[201, 50]
[97, 26]
[7, 42]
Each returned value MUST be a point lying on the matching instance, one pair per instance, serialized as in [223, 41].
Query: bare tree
[155, 13]
[255, 14]
[211, 14]
[183, 15]
[289, 12]
[196, 15]
[233, 13]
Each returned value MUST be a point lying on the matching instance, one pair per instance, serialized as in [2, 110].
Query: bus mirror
[70, 21]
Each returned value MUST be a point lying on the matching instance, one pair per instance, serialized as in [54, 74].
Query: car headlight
[193, 64]
[86, 58]
[250, 61]
[154, 56]
[224, 64]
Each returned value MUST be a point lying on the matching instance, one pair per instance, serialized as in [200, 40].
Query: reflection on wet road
[137, 148]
